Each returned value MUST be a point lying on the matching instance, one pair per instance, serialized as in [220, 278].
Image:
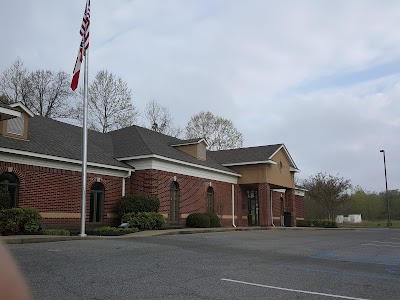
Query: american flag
[84, 32]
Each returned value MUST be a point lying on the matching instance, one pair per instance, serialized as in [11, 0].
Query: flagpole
[85, 137]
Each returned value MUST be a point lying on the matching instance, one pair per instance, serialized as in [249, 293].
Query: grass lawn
[370, 224]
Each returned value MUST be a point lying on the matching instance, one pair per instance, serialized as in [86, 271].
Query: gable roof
[50, 137]
[191, 142]
[54, 138]
[244, 155]
[23, 108]
[7, 112]
[250, 155]
[135, 141]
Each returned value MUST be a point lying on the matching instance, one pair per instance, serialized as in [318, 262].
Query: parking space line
[292, 290]
[381, 245]
[343, 273]
[379, 242]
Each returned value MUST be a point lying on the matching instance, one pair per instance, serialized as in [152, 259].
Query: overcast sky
[323, 77]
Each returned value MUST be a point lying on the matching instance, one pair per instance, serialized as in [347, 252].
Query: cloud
[319, 76]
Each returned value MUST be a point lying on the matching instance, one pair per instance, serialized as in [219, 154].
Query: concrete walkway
[24, 239]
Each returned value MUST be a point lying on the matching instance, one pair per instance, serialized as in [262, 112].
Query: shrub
[138, 203]
[19, 220]
[214, 220]
[198, 220]
[111, 231]
[324, 223]
[144, 220]
[304, 223]
[55, 232]
[5, 199]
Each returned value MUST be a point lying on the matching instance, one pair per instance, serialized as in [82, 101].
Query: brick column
[264, 207]
[290, 206]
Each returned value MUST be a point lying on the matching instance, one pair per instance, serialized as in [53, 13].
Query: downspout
[233, 205]
[123, 182]
[272, 212]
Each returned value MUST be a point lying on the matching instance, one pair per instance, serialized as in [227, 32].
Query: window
[9, 183]
[16, 126]
[210, 200]
[96, 202]
[174, 202]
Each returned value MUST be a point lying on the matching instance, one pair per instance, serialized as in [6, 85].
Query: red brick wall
[299, 206]
[264, 204]
[193, 192]
[54, 190]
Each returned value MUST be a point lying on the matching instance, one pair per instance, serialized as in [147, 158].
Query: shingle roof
[50, 137]
[242, 155]
[135, 141]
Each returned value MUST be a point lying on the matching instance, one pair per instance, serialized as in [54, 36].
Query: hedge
[214, 220]
[144, 220]
[138, 203]
[5, 199]
[19, 220]
[304, 223]
[111, 231]
[198, 220]
[324, 223]
[55, 232]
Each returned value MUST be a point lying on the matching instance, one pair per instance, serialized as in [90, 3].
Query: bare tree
[44, 92]
[158, 118]
[15, 84]
[220, 133]
[327, 191]
[50, 94]
[110, 103]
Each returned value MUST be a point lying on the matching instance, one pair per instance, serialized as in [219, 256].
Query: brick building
[40, 166]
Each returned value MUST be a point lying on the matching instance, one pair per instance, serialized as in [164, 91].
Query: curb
[151, 233]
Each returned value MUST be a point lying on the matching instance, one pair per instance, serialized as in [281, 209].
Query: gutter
[123, 181]
[233, 205]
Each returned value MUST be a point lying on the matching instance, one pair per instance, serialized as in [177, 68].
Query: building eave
[8, 113]
[62, 159]
[155, 156]
[270, 162]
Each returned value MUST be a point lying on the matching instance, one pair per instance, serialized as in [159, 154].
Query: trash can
[287, 219]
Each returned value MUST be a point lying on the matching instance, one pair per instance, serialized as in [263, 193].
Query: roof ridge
[253, 147]
[143, 139]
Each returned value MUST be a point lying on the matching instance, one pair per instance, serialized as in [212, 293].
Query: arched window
[210, 200]
[174, 202]
[96, 202]
[9, 183]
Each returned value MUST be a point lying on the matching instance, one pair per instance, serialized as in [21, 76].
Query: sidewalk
[25, 239]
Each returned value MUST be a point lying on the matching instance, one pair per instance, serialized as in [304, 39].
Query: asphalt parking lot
[263, 264]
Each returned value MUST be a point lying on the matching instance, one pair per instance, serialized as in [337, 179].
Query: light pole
[386, 193]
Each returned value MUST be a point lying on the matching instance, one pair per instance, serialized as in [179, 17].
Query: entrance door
[252, 197]
[96, 203]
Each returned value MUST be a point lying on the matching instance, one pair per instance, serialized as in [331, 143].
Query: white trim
[301, 189]
[11, 113]
[299, 193]
[279, 190]
[23, 107]
[192, 143]
[287, 153]
[250, 163]
[291, 169]
[177, 168]
[61, 159]
[156, 156]
[45, 163]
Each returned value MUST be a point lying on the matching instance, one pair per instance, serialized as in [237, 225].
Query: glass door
[252, 197]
